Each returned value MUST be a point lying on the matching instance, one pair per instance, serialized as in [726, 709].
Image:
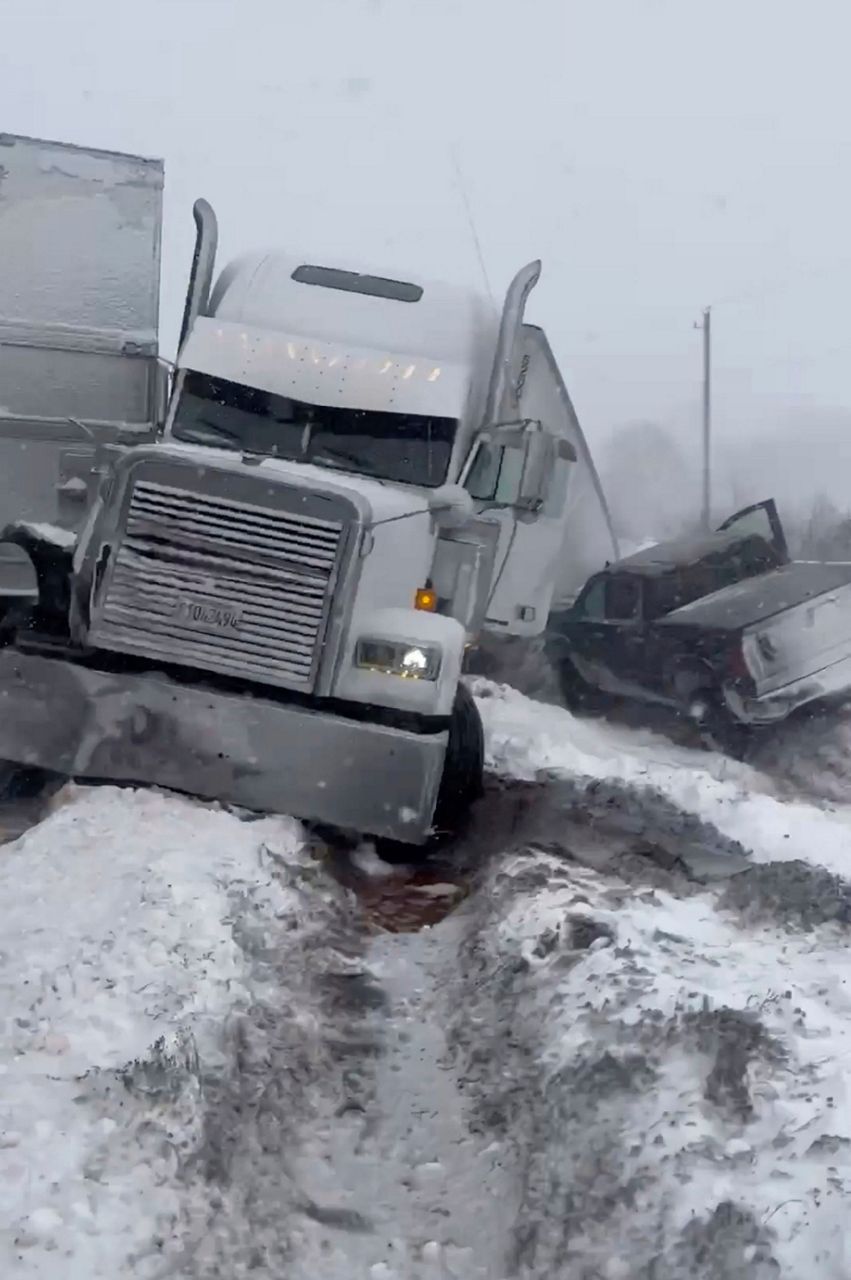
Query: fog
[659, 155]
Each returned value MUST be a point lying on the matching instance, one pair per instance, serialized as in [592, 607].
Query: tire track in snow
[407, 1189]
[338, 1140]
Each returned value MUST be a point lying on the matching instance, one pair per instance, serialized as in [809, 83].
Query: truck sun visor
[353, 282]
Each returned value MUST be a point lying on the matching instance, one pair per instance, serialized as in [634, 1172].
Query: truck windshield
[403, 447]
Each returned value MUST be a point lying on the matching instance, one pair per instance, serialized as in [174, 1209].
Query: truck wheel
[463, 766]
[21, 782]
[460, 785]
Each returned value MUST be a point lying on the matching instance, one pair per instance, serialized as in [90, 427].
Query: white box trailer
[79, 302]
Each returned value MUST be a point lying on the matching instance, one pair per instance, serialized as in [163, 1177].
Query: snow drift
[124, 957]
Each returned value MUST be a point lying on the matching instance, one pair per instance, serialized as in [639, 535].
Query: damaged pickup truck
[723, 627]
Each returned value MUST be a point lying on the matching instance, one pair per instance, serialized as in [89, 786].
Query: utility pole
[706, 325]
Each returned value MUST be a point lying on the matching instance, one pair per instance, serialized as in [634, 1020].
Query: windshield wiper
[203, 426]
[203, 430]
[239, 438]
[334, 454]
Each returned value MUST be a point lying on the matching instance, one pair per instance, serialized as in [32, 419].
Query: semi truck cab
[270, 598]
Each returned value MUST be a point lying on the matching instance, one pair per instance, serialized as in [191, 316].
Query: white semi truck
[255, 580]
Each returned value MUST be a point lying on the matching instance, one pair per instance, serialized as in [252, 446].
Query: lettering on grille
[208, 615]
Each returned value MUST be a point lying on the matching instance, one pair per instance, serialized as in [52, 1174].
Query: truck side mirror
[510, 465]
[538, 462]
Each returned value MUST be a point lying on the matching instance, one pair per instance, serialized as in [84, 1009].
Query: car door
[79, 300]
[624, 639]
[760, 518]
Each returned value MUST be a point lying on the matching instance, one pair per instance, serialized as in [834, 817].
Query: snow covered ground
[684, 1045]
[753, 807]
[623, 1056]
[130, 940]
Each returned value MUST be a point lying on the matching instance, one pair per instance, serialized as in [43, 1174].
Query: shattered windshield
[401, 447]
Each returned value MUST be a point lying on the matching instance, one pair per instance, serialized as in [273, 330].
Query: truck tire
[463, 765]
[21, 782]
[460, 784]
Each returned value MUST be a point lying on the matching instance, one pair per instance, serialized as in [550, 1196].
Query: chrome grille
[208, 582]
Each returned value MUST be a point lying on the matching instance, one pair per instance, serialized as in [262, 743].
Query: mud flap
[52, 562]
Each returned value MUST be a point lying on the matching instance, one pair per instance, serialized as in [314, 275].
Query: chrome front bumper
[248, 751]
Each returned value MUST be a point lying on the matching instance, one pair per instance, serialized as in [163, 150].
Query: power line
[462, 190]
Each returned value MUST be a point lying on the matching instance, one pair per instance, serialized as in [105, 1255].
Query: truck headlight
[399, 658]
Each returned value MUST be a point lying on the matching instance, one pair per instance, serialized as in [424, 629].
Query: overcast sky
[658, 155]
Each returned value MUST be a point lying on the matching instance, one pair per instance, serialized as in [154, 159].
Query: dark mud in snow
[732, 1040]
[794, 895]
[608, 825]
[728, 1244]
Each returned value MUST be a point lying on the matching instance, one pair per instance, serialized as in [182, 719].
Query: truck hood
[385, 500]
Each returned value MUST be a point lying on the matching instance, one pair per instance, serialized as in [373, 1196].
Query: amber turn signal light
[425, 599]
